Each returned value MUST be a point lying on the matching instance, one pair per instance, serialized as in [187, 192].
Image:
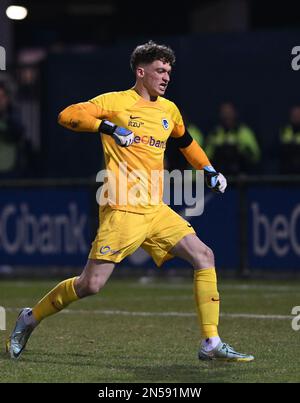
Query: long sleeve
[81, 117]
[195, 155]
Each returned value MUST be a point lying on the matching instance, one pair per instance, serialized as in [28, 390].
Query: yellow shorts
[122, 232]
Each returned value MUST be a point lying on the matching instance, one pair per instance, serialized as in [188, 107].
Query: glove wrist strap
[107, 127]
[209, 169]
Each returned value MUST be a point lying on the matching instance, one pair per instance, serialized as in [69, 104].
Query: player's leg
[120, 233]
[170, 235]
[201, 257]
[92, 279]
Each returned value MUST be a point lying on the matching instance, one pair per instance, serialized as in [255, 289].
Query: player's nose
[166, 77]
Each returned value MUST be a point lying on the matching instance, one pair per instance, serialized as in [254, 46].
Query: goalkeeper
[135, 125]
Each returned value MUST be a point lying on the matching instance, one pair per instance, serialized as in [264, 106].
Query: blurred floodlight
[16, 12]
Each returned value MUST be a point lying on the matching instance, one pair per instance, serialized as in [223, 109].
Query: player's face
[156, 77]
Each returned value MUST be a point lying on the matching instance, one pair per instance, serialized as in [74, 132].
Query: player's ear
[140, 72]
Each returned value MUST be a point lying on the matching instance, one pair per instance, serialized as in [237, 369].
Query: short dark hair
[149, 52]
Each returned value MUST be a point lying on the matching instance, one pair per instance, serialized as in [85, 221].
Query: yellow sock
[56, 300]
[207, 301]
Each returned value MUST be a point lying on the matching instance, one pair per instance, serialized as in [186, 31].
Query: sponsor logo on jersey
[151, 141]
[133, 122]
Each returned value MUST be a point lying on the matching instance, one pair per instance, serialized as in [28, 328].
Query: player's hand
[122, 136]
[214, 180]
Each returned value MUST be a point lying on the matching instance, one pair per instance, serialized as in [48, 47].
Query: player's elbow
[67, 117]
[60, 118]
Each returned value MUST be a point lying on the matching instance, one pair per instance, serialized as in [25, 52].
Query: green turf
[90, 343]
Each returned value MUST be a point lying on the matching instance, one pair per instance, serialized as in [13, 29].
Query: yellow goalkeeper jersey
[135, 182]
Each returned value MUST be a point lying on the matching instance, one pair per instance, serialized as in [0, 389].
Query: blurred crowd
[15, 149]
[231, 144]
[234, 148]
[11, 137]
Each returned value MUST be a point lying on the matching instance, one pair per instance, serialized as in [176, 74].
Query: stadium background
[143, 328]
[65, 53]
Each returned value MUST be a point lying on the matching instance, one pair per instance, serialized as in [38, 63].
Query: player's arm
[193, 153]
[86, 117]
[196, 156]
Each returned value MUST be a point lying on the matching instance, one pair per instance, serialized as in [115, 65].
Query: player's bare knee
[209, 255]
[87, 286]
[203, 258]
[93, 286]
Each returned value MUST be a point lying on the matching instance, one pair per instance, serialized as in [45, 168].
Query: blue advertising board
[44, 227]
[274, 227]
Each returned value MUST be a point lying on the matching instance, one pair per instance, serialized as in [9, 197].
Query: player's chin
[161, 90]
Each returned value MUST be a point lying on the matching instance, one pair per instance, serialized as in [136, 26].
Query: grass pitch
[140, 331]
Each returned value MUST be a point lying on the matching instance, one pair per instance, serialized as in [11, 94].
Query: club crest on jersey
[165, 123]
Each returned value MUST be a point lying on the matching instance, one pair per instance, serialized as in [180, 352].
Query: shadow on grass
[125, 369]
[50, 358]
[212, 372]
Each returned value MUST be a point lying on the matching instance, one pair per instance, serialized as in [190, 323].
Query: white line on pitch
[178, 314]
[164, 314]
